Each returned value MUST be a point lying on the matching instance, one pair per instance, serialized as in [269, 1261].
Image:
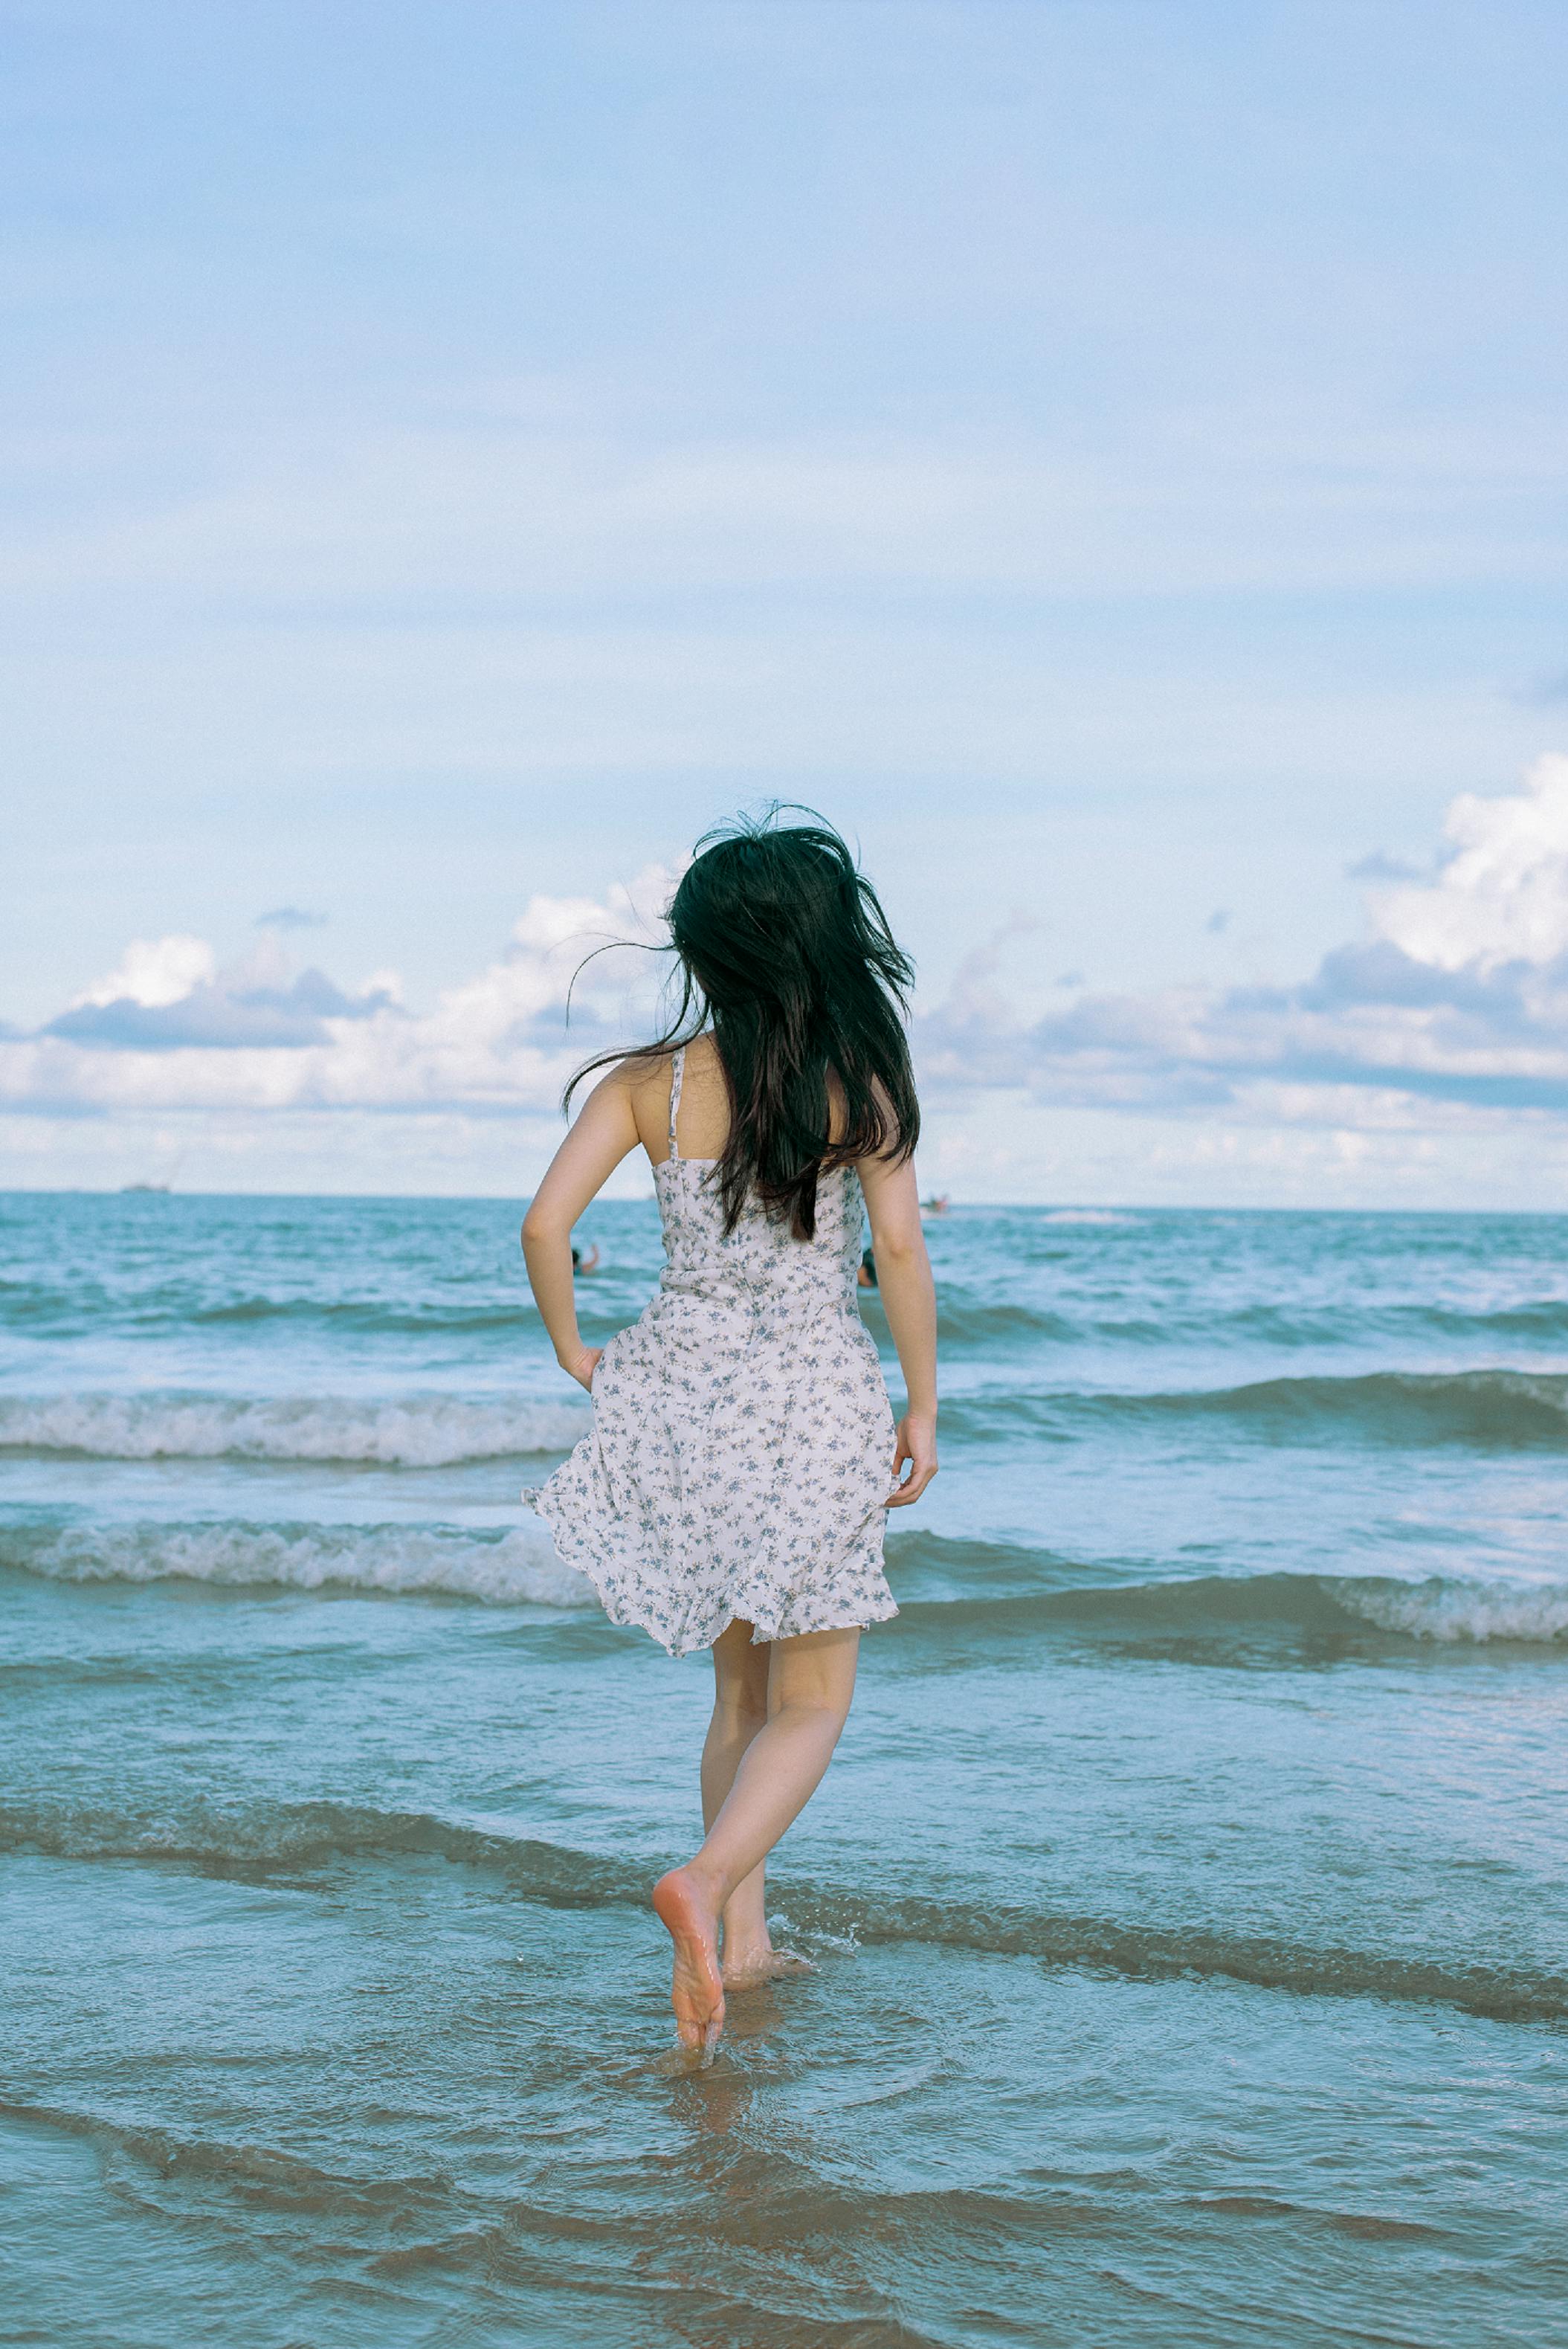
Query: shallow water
[1188, 1897]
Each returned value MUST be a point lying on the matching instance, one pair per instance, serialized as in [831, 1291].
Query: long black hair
[784, 950]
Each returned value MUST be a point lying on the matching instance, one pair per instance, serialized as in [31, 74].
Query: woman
[732, 1493]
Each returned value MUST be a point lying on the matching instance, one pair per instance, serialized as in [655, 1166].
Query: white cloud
[1450, 1013]
[1454, 1004]
[154, 971]
[260, 1036]
[1502, 896]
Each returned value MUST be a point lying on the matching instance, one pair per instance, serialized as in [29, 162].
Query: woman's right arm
[909, 1300]
[603, 1135]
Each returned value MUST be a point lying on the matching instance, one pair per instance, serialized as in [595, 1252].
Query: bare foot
[746, 1969]
[696, 1992]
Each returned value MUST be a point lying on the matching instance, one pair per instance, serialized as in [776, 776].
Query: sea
[1187, 1903]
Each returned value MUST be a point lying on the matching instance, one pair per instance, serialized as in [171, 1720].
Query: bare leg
[739, 1710]
[811, 1682]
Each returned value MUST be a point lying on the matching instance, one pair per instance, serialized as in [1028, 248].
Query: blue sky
[1111, 459]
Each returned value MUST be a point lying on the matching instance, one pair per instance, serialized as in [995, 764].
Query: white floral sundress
[742, 1446]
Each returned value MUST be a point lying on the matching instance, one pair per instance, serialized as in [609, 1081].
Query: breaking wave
[954, 1586]
[519, 1566]
[1482, 1410]
[433, 1431]
[1447, 1610]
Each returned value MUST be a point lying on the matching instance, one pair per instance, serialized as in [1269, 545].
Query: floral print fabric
[742, 1446]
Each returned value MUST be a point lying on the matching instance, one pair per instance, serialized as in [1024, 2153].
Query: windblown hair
[784, 951]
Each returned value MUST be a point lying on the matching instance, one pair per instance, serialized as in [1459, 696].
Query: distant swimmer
[867, 1274]
[938, 1205]
[589, 1263]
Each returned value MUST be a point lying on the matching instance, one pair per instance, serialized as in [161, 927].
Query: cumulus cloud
[1453, 1005]
[224, 1012]
[168, 1029]
[1502, 893]
[153, 972]
[1457, 999]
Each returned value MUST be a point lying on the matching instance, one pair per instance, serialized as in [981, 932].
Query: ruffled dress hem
[767, 1613]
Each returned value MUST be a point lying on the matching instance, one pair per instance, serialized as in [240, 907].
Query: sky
[1108, 458]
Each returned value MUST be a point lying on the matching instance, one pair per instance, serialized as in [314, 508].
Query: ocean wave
[1451, 1610]
[193, 1304]
[963, 1323]
[417, 1431]
[960, 1562]
[274, 2175]
[971, 1316]
[1482, 1410]
[977, 1323]
[314, 1835]
[946, 1581]
[516, 1567]
[35, 1309]
[1543, 1319]
[370, 1316]
[1345, 1321]
[305, 1836]
[1448, 1610]
[1490, 1409]
[1146, 1949]
[982, 1588]
[366, 1313]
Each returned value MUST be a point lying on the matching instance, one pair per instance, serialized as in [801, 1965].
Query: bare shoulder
[651, 1064]
[619, 1082]
[702, 1069]
[630, 1080]
[638, 1069]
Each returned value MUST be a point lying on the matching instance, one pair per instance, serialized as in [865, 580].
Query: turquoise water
[1188, 1898]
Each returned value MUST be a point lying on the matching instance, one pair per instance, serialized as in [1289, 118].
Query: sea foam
[431, 1431]
[1452, 1610]
[985, 1589]
[520, 1567]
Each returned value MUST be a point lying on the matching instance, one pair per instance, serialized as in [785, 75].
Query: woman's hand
[917, 1445]
[584, 1367]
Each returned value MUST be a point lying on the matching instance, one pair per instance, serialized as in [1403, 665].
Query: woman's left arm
[603, 1134]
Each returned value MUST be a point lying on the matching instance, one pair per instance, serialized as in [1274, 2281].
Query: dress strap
[678, 1070]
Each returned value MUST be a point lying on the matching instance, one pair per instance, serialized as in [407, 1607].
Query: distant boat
[938, 1205]
[128, 1190]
